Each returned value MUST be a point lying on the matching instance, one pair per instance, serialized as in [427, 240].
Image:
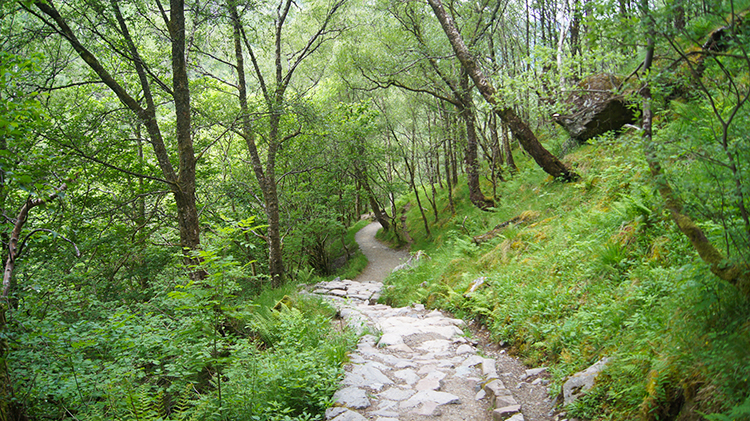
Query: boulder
[596, 108]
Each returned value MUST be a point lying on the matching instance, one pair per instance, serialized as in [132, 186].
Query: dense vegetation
[587, 271]
[169, 171]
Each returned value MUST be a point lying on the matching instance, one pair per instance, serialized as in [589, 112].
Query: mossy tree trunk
[734, 273]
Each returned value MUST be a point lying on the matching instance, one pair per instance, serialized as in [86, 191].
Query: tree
[181, 181]
[25, 183]
[444, 81]
[274, 92]
[726, 104]
[548, 162]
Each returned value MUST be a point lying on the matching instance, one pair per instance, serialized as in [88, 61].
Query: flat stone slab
[441, 398]
[501, 414]
[408, 375]
[349, 415]
[397, 394]
[352, 397]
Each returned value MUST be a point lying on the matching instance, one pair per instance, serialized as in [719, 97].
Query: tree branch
[25, 239]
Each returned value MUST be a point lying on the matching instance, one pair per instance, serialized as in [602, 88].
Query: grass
[597, 269]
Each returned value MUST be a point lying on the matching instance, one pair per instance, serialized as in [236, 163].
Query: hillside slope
[587, 270]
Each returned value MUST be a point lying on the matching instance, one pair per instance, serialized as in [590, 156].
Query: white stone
[427, 369]
[473, 360]
[351, 379]
[401, 348]
[397, 394]
[348, 415]
[466, 349]
[408, 375]
[533, 372]
[432, 381]
[390, 339]
[435, 313]
[371, 375]
[352, 397]
[437, 345]
[334, 411]
[488, 368]
[441, 398]
[405, 364]
[463, 371]
[582, 381]
[504, 412]
[429, 409]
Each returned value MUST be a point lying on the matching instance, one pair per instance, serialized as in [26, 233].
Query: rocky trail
[413, 364]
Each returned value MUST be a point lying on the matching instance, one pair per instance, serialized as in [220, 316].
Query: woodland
[171, 172]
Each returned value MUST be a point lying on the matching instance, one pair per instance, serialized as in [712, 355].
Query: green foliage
[600, 272]
[194, 350]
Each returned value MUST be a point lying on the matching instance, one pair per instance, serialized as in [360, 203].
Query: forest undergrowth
[221, 348]
[590, 270]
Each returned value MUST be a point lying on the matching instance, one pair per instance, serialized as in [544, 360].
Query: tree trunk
[181, 183]
[380, 215]
[184, 191]
[416, 194]
[9, 410]
[472, 165]
[497, 154]
[548, 162]
[446, 152]
[274, 98]
[507, 150]
[575, 29]
[264, 176]
[455, 133]
[736, 274]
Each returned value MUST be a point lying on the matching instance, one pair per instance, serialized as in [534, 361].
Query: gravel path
[382, 258]
[413, 364]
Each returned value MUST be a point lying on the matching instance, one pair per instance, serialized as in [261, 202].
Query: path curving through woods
[413, 364]
[382, 259]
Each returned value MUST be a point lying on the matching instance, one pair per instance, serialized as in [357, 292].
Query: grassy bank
[588, 270]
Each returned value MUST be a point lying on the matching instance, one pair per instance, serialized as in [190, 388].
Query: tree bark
[497, 154]
[184, 191]
[548, 162]
[472, 165]
[265, 176]
[416, 195]
[507, 150]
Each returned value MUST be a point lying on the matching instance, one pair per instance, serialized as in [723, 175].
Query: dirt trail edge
[413, 364]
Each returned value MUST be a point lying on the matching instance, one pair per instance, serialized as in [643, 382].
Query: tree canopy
[186, 153]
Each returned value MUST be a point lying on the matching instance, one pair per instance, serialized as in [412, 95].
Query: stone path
[411, 364]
